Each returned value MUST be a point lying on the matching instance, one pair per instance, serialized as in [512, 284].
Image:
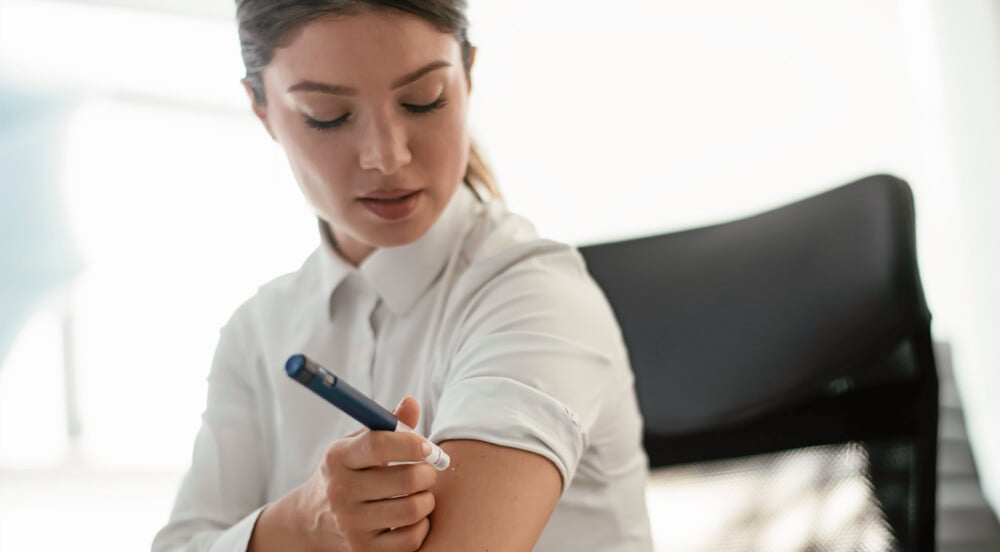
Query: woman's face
[371, 112]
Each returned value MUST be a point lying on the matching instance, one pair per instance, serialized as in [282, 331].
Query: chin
[402, 234]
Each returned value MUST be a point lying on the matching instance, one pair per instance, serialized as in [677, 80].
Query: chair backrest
[805, 325]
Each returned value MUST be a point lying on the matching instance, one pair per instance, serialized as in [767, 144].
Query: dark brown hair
[265, 25]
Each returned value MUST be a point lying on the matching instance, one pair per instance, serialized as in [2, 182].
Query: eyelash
[433, 106]
[414, 109]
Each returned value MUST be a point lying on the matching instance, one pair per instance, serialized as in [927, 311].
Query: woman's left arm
[494, 498]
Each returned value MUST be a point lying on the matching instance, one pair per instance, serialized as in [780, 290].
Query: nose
[383, 147]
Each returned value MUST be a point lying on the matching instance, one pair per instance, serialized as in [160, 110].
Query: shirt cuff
[237, 537]
[505, 412]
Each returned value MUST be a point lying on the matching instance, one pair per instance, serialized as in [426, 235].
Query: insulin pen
[355, 404]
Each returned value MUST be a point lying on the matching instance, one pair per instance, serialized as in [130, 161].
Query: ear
[259, 110]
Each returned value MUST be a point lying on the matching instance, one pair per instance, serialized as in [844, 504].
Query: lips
[389, 194]
[391, 204]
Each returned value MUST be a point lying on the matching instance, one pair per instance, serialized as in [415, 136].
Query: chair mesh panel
[810, 499]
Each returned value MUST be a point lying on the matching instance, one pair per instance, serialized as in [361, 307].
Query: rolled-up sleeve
[535, 352]
[224, 490]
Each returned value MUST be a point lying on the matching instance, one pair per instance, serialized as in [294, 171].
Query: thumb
[408, 411]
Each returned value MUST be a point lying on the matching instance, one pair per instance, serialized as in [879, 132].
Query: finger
[408, 411]
[372, 485]
[401, 480]
[357, 432]
[399, 512]
[376, 449]
[403, 538]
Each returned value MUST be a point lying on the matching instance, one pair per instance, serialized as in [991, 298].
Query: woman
[424, 287]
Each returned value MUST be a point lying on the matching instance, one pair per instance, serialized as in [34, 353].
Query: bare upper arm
[492, 498]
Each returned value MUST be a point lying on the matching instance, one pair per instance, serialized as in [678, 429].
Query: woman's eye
[427, 108]
[327, 125]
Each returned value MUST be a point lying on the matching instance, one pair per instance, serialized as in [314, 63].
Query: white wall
[968, 43]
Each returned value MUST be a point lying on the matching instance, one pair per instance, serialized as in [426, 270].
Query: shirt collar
[401, 274]
[333, 269]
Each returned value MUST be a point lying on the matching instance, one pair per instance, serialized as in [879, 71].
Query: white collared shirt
[502, 336]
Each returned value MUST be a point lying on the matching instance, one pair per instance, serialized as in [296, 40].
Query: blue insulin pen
[355, 404]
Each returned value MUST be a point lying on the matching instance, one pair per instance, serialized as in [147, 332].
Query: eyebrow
[311, 86]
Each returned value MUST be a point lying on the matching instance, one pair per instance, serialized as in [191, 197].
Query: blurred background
[140, 202]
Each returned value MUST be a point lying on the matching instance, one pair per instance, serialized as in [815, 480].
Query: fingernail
[427, 448]
[399, 405]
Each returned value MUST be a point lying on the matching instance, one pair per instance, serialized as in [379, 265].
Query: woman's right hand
[355, 501]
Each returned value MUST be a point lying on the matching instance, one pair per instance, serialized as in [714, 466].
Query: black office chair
[798, 328]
